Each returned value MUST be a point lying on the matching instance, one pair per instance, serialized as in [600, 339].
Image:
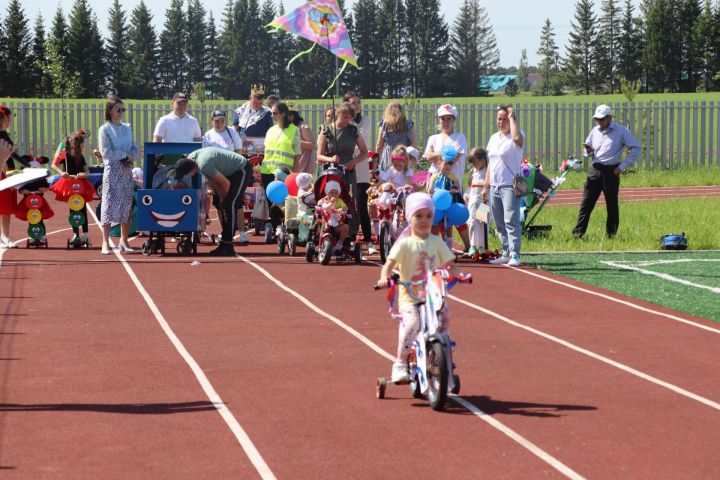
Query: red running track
[573, 197]
[91, 385]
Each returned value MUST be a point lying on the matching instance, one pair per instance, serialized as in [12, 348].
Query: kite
[320, 22]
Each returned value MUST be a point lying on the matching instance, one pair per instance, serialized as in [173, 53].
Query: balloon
[292, 185]
[458, 214]
[439, 216]
[276, 191]
[448, 153]
[442, 199]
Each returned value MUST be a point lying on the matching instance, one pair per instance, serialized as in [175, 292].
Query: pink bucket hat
[417, 201]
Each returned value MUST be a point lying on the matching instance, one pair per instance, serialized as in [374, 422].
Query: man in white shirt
[178, 125]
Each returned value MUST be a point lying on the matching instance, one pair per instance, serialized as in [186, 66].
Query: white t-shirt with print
[397, 178]
[177, 129]
[504, 159]
[227, 139]
[457, 140]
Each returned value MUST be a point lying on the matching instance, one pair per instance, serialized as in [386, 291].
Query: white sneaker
[371, 249]
[500, 260]
[243, 238]
[514, 260]
[399, 372]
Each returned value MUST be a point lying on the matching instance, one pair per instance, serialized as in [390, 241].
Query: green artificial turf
[700, 269]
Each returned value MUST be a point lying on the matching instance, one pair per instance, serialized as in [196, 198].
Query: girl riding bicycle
[416, 252]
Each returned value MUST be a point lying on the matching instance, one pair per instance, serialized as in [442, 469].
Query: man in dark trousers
[605, 145]
[227, 174]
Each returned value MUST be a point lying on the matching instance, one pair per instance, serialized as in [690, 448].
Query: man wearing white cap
[605, 146]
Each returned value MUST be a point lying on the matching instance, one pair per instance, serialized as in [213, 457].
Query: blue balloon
[448, 153]
[439, 216]
[276, 191]
[458, 214]
[442, 199]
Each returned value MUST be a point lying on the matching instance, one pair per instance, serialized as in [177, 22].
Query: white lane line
[664, 276]
[240, 434]
[617, 300]
[516, 437]
[647, 263]
[594, 355]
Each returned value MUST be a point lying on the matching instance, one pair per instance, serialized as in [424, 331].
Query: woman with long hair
[307, 160]
[395, 129]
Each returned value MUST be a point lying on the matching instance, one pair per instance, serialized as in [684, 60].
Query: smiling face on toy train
[164, 213]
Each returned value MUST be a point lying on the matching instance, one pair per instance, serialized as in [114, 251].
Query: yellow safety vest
[279, 148]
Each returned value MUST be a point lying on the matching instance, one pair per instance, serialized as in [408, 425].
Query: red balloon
[292, 185]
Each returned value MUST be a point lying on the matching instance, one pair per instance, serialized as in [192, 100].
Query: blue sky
[517, 23]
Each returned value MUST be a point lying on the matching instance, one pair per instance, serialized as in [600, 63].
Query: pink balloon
[420, 177]
[292, 184]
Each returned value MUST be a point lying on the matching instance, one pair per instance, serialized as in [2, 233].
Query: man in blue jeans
[605, 145]
[228, 174]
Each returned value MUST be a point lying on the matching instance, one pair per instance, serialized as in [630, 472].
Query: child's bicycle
[430, 361]
[392, 223]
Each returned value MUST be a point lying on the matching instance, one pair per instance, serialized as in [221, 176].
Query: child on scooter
[416, 252]
[71, 162]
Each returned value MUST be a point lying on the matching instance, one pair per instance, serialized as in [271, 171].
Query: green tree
[473, 48]
[390, 19]
[607, 48]
[116, 55]
[196, 53]
[211, 66]
[579, 66]
[663, 47]
[142, 54]
[173, 73]
[523, 72]
[284, 47]
[629, 45]
[64, 85]
[18, 52]
[691, 45]
[40, 83]
[431, 49]
[548, 67]
[227, 55]
[266, 64]
[85, 50]
[366, 45]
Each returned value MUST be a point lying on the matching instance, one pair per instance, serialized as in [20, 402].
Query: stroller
[295, 230]
[323, 237]
[540, 190]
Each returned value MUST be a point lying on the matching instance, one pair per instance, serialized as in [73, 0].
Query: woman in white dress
[118, 152]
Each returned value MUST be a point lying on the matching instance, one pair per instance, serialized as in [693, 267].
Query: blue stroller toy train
[168, 208]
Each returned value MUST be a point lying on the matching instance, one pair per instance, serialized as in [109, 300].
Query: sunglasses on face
[121, 109]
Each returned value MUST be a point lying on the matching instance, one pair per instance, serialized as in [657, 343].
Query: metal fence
[673, 135]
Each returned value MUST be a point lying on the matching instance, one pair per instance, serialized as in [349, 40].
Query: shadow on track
[498, 407]
[127, 408]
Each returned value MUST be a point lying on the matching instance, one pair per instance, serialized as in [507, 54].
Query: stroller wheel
[291, 244]
[325, 253]
[281, 243]
[310, 252]
[146, 247]
[268, 233]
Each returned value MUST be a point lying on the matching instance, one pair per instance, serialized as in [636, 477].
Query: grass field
[685, 281]
[641, 225]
